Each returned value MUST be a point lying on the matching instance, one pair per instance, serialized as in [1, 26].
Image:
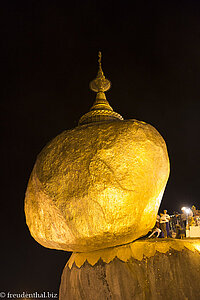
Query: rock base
[174, 275]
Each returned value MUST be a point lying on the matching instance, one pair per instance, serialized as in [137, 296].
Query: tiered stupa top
[101, 109]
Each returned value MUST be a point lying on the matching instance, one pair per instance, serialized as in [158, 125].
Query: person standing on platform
[163, 222]
[167, 217]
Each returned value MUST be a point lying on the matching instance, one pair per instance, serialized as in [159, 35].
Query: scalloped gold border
[94, 113]
[138, 250]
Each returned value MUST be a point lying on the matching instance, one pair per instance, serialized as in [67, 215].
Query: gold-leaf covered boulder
[99, 184]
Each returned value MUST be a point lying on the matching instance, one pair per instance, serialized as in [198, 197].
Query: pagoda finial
[100, 72]
[99, 60]
[100, 83]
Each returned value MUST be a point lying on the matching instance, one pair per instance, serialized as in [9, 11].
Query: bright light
[187, 210]
[197, 247]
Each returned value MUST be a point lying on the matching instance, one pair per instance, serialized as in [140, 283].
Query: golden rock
[97, 185]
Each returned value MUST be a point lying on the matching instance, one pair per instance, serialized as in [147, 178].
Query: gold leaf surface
[97, 186]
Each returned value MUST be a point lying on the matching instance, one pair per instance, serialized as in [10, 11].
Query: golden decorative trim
[137, 250]
[94, 114]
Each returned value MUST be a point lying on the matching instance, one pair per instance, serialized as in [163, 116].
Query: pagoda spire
[100, 83]
[101, 109]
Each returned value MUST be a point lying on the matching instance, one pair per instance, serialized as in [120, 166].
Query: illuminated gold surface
[137, 250]
[97, 186]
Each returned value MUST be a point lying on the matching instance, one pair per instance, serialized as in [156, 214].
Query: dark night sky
[151, 54]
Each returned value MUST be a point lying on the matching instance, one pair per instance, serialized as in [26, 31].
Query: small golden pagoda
[100, 184]
[101, 109]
